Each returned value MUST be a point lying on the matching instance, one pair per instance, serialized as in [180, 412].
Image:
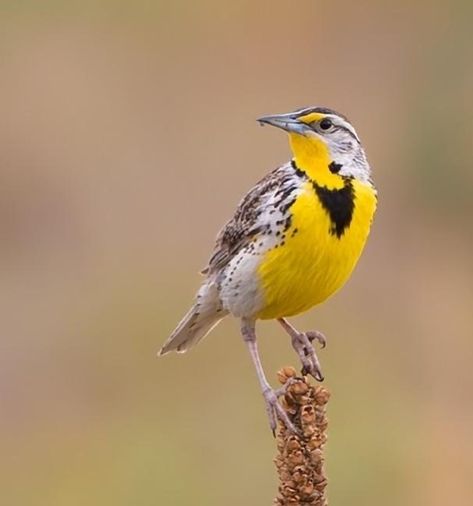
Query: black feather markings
[339, 204]
[335, 167]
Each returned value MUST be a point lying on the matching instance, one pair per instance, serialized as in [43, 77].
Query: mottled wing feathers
[251, 216]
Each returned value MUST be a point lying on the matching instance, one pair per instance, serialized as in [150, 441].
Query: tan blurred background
[127, 137]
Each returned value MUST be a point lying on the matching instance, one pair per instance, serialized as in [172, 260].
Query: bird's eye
[326, 124]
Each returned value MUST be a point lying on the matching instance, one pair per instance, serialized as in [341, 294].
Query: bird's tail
[202, 317]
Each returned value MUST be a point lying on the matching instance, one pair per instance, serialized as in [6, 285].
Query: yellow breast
[314, 262]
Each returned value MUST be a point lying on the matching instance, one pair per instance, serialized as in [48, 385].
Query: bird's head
[323, 143]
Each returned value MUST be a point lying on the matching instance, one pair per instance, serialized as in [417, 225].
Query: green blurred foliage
[127, 137]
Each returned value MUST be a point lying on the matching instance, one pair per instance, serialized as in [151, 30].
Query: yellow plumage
[313, 264]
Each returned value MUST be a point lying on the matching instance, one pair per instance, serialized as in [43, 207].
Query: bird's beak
[287, 122]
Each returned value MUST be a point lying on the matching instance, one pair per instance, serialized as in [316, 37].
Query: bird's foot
[275, 410]
[302, 343]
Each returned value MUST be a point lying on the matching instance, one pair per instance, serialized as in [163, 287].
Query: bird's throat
[312, 156]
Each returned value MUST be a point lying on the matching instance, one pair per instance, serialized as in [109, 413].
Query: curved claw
[316, 373]
[275, 410]
[302, 343]
[315, 335]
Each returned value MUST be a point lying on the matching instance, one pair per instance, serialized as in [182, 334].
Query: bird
[292, 243]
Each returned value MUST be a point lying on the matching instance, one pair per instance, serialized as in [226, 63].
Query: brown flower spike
[300, 460]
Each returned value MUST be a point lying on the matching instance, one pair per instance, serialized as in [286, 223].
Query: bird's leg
[273, 408]
[302, 343]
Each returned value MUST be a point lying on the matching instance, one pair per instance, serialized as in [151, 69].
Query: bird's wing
[251, 216]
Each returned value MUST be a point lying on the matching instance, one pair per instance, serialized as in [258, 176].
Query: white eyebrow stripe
[343, 123]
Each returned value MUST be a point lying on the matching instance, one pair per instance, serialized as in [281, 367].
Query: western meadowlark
[293, 242]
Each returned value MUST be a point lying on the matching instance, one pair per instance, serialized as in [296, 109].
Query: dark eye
[326, 124]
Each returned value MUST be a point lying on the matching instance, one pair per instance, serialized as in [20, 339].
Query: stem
[300, 459]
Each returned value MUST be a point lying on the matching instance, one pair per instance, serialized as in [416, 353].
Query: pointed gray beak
[287, 122]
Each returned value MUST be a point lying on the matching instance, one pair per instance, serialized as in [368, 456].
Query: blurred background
[127, 137]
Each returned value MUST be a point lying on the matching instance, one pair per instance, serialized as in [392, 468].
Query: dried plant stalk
[300, 459]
